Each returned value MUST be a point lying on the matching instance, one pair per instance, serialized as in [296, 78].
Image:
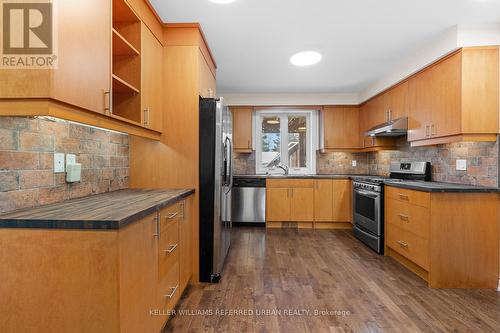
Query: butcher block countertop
[109, 211]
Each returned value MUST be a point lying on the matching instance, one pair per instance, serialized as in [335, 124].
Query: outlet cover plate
[58, 163]
[70, 159]
[354, 163]
[461, 165]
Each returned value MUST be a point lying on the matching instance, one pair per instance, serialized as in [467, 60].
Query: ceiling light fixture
[306, 58]
[222, 2]
[273, 122]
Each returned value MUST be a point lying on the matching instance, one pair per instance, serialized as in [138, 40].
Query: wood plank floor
[292, 269]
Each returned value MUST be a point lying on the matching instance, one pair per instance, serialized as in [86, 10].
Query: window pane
[271, 142]
[297, 145]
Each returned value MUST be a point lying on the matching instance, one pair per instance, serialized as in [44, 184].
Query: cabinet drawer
[409, 217]
[168, 250]
[412, 197]
[169, 288]
[409, 245]
[171, 213]
[289, 183]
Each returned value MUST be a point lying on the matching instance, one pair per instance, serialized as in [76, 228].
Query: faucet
[283, 167]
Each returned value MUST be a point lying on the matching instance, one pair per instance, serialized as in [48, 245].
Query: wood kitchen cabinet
[332, 202]
[372, 114]
[456, 99]
[290, 200]
[82, 76]
[340, 128]
[438, 237]
[396, 102]
[242, 129]
[152, 80]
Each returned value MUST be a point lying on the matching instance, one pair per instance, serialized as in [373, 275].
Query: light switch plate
[58, 162]
[354, 163]
[461, 165]
[70, 159]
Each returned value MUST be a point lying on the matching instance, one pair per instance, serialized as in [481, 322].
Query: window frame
[310, 134]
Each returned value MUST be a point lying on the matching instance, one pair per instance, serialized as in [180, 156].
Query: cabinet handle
[427, 131]
[390, 114]
[433, 130]
[171, 248]
[404, 217]
[172, 216]
[248, 144]
[327, 145]
[157, 222]
[402, 244]
[146, 117]
[174, 290]
[107, 102]
[403, 197]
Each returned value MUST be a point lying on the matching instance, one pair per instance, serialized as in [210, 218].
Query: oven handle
[368, 194]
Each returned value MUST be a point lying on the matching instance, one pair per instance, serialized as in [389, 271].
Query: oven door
[367, 210]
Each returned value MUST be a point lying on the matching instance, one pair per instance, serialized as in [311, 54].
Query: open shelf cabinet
[126, 63]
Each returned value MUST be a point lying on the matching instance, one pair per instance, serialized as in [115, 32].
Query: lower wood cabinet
[449, 239]
[332, 200]
[322, 203]
[124, 280]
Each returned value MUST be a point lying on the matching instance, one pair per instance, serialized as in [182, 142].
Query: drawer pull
[157, 233]
[402, 244]
[404, 217]
[174, 290]
[171, 248]
[403, 197]
[172, 216]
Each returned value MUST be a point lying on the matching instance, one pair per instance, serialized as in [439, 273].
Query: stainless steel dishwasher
[248, 200]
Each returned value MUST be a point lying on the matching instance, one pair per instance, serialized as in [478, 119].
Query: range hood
[396, 127]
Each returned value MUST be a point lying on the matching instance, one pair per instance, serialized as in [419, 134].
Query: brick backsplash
[482, 162]
[27, 147]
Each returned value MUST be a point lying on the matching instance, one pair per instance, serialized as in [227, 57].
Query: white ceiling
[361, 40]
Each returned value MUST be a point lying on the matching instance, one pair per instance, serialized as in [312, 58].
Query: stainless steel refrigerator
[216, 181]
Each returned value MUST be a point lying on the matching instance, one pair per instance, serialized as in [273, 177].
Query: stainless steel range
[368, 200]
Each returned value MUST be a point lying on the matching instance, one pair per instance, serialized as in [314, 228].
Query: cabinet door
[351, 128]
[421, 90]
[302, 204]
[333, 123]
[278, 204]
[185, 259]
[342, 198]
[398, 101]
[379, 111]
[138, 276]
[152, 80]
[242, 129]
[446, 108]
[323, 200]
[84, 53]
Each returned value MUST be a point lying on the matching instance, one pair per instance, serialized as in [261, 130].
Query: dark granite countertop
[440, 187]
[109, 211]
[317, 176]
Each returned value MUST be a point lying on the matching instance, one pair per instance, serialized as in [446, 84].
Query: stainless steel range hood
[396, 127]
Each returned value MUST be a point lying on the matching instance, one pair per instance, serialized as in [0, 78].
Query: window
[284, 138]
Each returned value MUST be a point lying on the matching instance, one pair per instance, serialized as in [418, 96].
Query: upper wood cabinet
[82, 76]
[371, 114]
[242, 129]
[340, 127]
[396, 102]
[456, 99]
[207, 82]
[152, 80]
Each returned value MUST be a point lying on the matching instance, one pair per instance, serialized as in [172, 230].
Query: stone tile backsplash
[27, 147]
[482, 162]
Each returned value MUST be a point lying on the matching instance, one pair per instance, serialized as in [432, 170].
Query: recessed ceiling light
[273, 122]
[306, 58]
[222, 2]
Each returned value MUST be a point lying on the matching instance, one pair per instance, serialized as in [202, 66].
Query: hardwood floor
[289, 269]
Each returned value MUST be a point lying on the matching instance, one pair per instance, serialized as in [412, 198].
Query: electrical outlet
[461, 165]
[354, 163]
[58, 162]
[70, 159]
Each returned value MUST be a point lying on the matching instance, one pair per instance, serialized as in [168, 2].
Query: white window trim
[312, 139]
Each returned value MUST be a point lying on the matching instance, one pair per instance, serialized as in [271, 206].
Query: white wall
[290, 99]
